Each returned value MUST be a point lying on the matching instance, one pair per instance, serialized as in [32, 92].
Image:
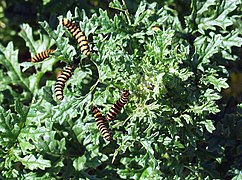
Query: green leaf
[205, 6]
[65, 51]
[174, 75]
[38, 46]
[209, 126]
[187, 118]
[219, 15]
[4, 82]
[9, 59]
[32, 162]
[8, 127]
[45, 2]
[207, 47]
[115, 4]
[79, 163]
[238, 175]
[218, 83]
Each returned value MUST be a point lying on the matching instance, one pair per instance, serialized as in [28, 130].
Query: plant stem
[126, 12]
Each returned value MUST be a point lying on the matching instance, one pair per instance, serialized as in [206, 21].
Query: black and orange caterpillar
[61, 81]
[42, 55]
[101, 124]
[116, 108]
[79, 36]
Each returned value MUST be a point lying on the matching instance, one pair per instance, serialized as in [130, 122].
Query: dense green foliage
[175, 76]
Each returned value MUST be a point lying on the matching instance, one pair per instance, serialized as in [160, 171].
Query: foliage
[13, 13]
[175, 75]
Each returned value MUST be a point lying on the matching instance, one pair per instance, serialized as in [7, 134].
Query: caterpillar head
[125, 93]
[65, 21]
[94, 109]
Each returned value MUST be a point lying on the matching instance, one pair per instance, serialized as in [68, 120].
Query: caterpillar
[78, 35]
[101, 124]
[116, 108]
[61, 81]
[42, 55]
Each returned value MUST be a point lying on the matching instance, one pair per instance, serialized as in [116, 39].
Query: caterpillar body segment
[42, 55]
[101, 123]
[78, 35]
[116, 108]
[61, 81]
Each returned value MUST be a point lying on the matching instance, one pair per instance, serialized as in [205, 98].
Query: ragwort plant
[174, 84]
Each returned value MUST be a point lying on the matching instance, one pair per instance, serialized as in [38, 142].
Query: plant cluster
[174, 72]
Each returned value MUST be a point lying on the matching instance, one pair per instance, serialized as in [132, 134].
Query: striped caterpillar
[116, 108]
[101, 124]
[78, 35]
